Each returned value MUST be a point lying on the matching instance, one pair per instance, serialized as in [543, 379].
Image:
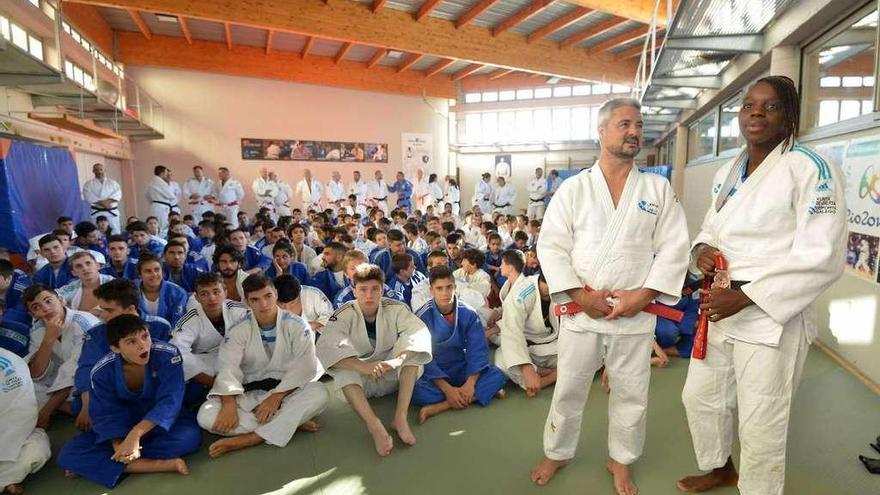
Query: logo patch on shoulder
[176, 359]
[648, 207]
[716, 188]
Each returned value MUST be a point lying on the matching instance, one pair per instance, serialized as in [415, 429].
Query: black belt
[265, 384]
[383, 198]
[539, 200]
[737, 284]
[505, 205]
[166, 204]
[96, 209]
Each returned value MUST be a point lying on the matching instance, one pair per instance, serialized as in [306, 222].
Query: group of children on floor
[146, 338]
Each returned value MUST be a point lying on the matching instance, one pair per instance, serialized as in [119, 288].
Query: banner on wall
[418, 151]
[308, 151]
[860, 162]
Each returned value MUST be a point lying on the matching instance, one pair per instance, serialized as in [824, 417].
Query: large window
[701, 137]
[531, 125]
[838, 81]
[729, 137]
[21, 38]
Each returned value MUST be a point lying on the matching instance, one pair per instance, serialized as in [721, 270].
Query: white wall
[206, 115]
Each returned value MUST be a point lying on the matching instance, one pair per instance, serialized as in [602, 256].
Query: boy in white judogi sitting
[305, 301]
[373, 346]
[267, 376]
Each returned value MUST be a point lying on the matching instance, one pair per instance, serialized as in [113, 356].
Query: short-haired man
[199, 193]
[228, 194]
[373, 346]
[176, 269]
[159, 297]
[537, 189]
[89, 238]
[120, 265]
[332, 279]
[405, 276]
[57, 271]
[471, 273]
[253, 260]
[162, 198]
[351, 261]
[460, 372]
[13, 282]
[78, 294]
[141, 242]
[227, 262]
[303, 300]
[103, 195]
[396, 245]
[267, 376]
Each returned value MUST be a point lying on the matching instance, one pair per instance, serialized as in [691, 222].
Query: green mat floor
[490, 450]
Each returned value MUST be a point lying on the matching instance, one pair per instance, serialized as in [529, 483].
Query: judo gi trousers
[541, 355]
[388, 383]
[298, 407]
[160, 211]
[628, 361]
[33, 455]
[92, 460]
[231, 214]
[490, 381]
[536, 210]
[758, 382]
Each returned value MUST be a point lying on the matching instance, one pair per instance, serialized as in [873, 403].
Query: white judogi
[537, 189]
[304, 256]
[316, 308]
[336, 195]
[202, 188]
[162, 200]
[199, 342]
[480, 281]
[422, 196]
[72, 292]
[783, 232]
[229, 196]
[65, 353]
[282, 200]
[310, 194]
[24, 449]
[378, 195]
[586, 240]
[437, 193]
[503, 199]
[418, 245]
[360, 190]
[244, 359]
[398, 330]
[483, 196]
[265, 191]
[453, 196]
[95, 190]
[175, 188]
[524, 338]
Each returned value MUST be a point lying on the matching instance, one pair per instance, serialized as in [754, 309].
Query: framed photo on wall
[308, 151]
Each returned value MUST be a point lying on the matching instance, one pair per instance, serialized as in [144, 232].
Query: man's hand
[467, 390]
[54, 329]
[532, 380]
[492, 331]
[630, 302]
[454, 397]
[44, 417]
[719, 304]
[594, 303]
[227, 418]
[706, 259]
[83, 420]
[128, 449]
[266, 410]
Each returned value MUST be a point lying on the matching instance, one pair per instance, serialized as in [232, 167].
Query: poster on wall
[502, 166]
[418, 151]
[317, 151]
[861, 169]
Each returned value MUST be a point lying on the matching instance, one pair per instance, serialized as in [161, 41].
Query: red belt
[660, 310]
[234, 203]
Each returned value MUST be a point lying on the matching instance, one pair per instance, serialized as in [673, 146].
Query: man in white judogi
[359, 188]
[103, 195]
[160, 195]
[24, 449]
[483, 194]
[177, 190]
[422, 196]
[199, 191]
[779, 218]
[554, 181]
[336, 195]
[265, 191]
[309, 191]
[622, 233]
[303, 300]
[285, 194]
[537, 189]
[229, 194]
[267, 376]
[503, 197]
[378, 193]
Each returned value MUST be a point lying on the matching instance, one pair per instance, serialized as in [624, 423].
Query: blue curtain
[38, 184]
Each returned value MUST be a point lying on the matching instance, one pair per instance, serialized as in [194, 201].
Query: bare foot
[545, 371]
[309, 426]
[623, 485]
[383, 441]
[659, 362]
[672, 351]
[70, 474]
[401, 426]
[723, 476]
[431, 410]
[544, 471]
[231, 444]
[15, 488]
[180, 466]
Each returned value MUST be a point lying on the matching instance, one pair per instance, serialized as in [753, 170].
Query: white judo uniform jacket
[282, 200]
[310, 193]
[360, 190]
[524, 339]
[229, 195]
[265, 191]
[203, 188]
[422, 195]
[62, 366]
[479, 281]
[316, 308]
[503, 199]
[95, 190]
[162, 199]
[336, 195]
[199, 342]
[483, 196]
[789, 252]
[641, 243]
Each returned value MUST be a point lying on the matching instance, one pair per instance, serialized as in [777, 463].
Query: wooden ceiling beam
[377, 5]
[343, 51]
[269, 41]
[634, 51]
[377, 57]
[596, 30]
[227, 33]
[427, 8]
[438, 67]
[140, 23]
[521, 16]
[473, 13]
[463, 73]
[498, 74]
[310, 41]
[415, 57]
[553, 26]
[620, 39]
[634, 10]
[185, 28]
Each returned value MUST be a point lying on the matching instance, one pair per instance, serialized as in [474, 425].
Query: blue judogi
[195, 244]
[405, 289]
[15, 336]
[115, 410]
[129, 271]
[13, 308]
[153, 247]
[347, 294]
[383, 259]
[95, 347]
[373, 253]
[459, 351]
[47, 276]
[185, 278]
[680, 335]
[172, 301]
[404, 190]
[494, 260]
[326, 282]
[295, 268]
[253, 258]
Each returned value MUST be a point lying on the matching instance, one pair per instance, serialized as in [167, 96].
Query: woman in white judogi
[623, 233]
[198, 190]
[229, 194]
[453, 197]
[24, 449]
[161, 197]
[483, 194]
[778, 216]
[103, 195]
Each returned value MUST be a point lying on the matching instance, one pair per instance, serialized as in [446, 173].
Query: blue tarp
[38, 184]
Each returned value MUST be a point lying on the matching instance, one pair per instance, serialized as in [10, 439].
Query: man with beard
[228, 262]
